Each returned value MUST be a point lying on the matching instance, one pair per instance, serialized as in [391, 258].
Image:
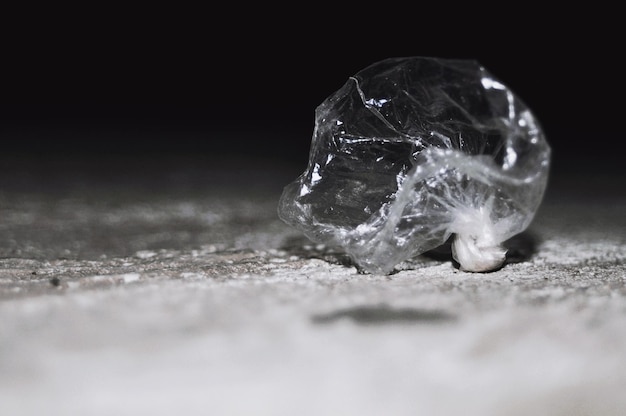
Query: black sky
[234, 85]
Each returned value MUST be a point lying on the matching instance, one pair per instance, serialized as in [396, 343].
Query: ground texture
[179, 291]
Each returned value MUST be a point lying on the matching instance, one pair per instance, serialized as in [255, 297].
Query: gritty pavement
[179, 291]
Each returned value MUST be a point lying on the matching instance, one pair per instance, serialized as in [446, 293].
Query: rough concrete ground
[179, 291]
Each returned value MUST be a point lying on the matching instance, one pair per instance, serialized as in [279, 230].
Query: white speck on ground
[162, 311]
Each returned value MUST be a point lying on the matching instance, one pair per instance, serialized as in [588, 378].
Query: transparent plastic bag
[412, 151]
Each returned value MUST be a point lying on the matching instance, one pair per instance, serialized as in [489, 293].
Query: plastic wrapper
[413, 152]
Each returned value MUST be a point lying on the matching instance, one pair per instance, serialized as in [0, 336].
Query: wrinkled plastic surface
[411, 151]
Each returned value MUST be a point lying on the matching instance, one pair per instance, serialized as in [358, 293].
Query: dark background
[226, 87]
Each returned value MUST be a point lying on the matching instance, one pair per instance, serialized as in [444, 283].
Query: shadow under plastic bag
[519, 248]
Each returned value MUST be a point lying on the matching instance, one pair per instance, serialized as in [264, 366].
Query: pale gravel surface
[165, 299]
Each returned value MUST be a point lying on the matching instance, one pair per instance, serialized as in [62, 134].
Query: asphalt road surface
[161, 287]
